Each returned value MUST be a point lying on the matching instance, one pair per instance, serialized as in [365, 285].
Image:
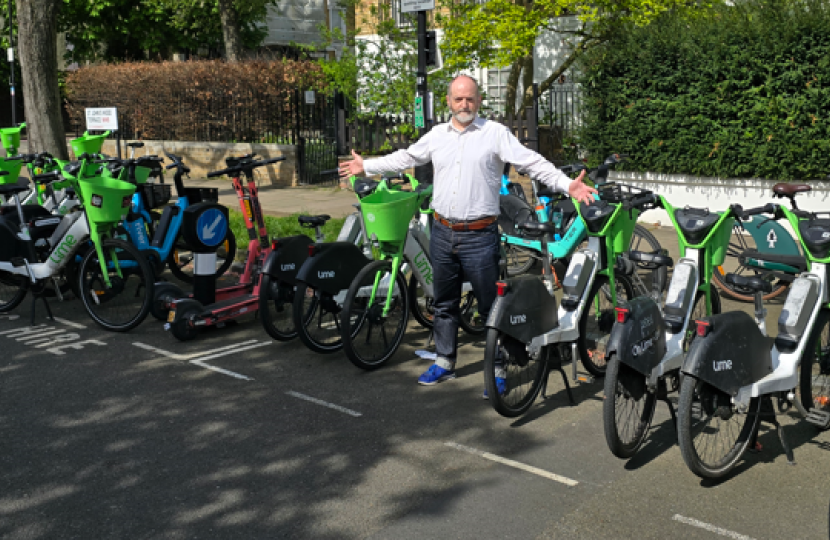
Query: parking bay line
[70, 323]
[711, 528]
[324, 403]
[515, 464]
[200, 357]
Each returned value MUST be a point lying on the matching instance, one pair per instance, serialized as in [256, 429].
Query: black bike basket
[155, 195]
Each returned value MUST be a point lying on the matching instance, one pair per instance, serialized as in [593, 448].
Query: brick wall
[203, 157]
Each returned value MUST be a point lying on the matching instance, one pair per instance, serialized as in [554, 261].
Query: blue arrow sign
[212, 227]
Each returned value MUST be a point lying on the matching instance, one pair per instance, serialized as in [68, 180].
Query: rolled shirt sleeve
[396, 162]
[532, 163]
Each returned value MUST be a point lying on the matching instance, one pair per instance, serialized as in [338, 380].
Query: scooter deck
[230, 306]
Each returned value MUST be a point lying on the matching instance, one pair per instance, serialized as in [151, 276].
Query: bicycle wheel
[421, 306]
[471, 320]
[13, 289]
[316, 317]
[643, 240]
[813, 392]
[627, 409]
[126, 302]
[180, 260]
[276, 301]
[507, 358]
[519, 259]
[711, 433]
[597, 320]
[739, 243]
[369, 337]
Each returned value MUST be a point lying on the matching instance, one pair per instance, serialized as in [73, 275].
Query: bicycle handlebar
[48, 177]
[641, 200]
[768, 208]
[244, 166]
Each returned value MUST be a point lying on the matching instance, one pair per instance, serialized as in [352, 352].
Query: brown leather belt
[474, 225]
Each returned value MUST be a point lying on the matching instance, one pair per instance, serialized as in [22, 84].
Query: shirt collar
[478, 123]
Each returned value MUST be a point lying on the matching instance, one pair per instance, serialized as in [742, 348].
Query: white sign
[309, 97]
[409, 6]
[102, 119]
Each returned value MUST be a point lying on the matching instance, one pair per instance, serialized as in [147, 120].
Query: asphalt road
[235, 436]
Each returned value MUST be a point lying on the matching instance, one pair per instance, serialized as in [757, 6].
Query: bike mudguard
[285, 260]
[640, 342]
[733, 355]
[10, 245]
[332, 267]
[525, 311]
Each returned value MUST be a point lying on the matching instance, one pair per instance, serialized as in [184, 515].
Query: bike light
[312, 250]
[501, 288]
[703, 328]
[622, 314]
[274, 245]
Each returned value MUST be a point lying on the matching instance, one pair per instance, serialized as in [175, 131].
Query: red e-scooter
[218, 306]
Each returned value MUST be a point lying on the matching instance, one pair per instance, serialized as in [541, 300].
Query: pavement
[233, 435]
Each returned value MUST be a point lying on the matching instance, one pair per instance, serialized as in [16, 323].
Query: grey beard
[464, 117]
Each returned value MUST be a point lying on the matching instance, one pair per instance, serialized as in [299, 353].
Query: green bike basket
[106, 200]
[10, 137]
[13, 167]
[387, 214]
[88, 144]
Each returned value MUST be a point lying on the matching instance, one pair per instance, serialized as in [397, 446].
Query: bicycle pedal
[819, 418]
[587, 379]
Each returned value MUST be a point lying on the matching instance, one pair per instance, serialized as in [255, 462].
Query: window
[497, 88]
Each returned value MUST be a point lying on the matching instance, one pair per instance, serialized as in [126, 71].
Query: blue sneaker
[435, 374]
[501, 384]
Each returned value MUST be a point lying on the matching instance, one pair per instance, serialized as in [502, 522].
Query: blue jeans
[459, 256]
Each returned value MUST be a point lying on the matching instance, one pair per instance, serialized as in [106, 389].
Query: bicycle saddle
[136, 145]
[783, 189]
[754, 284]
[536, 227]
[11, 189]
[313, 221]
[651, 258]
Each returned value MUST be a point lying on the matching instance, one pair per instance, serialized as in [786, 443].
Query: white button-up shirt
[468, 166]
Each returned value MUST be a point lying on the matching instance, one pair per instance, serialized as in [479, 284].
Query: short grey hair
[475, 82]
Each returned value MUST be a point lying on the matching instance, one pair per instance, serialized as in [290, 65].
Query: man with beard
[468, 155]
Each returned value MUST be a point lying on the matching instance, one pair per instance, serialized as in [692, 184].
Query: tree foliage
[378, 74]
[126, 29]
[502, 33]
[744, 93]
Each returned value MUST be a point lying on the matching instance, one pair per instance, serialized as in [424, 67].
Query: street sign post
[411, 6]
[104, 119]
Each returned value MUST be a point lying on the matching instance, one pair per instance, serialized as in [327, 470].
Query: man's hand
[579, 191]
[351, 168]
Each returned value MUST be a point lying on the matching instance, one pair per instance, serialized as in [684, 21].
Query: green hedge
[742, 92]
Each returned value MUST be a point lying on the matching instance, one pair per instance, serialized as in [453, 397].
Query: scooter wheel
[181, 327]
[164, 294]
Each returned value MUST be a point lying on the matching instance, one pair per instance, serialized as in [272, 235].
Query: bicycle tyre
[737, 245]
[523, 375]
[626, 391]
[700, 400]
[599, 326]
[519, 259]
[276, 302]
[661, 272]
[178, 259]
[813, 391]
[306, 309]
[181, 328]
[13, 289]
[359, 319]
[469, 319]
[422, 313]
[137, 282]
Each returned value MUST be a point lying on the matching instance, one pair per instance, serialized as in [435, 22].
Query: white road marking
[710, 528]
[39, 336]
[200, 357]
[515, 464]
[70, 323]
[190, 356]
[220, 370]
[324, 403]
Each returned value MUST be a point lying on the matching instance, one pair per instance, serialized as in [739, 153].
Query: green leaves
[742, 92]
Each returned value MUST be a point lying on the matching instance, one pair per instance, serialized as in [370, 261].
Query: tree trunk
[230, 31]
[512, 87]
[37, 22]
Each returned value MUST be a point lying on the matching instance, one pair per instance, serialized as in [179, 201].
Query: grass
[279, 227]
